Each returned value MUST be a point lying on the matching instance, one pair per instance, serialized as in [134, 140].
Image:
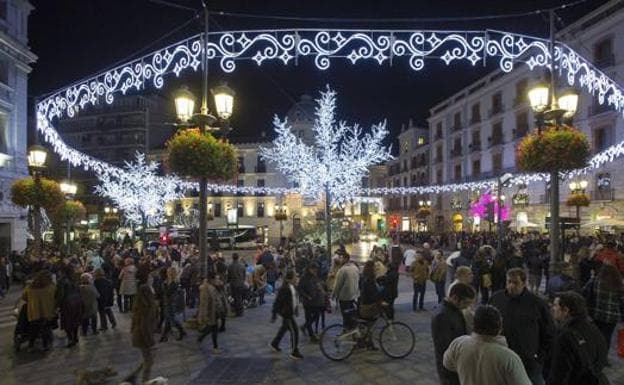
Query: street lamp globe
[421, 203]
[184, 104]
[538, 97]
[568, 101]
[68, 188]
[37, 156]
[428, 203]
[583, 184]
[224, 101]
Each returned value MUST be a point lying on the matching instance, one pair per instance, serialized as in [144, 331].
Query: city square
[220, 198]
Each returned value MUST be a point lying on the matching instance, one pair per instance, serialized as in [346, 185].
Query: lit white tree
[139, 192]
[337, 160]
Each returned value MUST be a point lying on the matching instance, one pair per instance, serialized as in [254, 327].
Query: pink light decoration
[480, 207]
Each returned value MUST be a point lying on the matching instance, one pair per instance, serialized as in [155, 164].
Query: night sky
[78, 38]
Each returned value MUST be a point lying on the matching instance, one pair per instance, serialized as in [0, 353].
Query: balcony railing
[496, 141]
[438, 136]
[457, 126]
[596, 109]
[475, 119]
[496, 109]
[475, 146]
[521, 130]
[456, 152]
[605, 61]
[602, 195]
[261, 169]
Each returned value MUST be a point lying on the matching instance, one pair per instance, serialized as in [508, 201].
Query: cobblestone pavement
[245, 357]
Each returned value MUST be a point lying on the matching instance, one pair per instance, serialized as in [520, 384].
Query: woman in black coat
[70, 304]
[106, 299]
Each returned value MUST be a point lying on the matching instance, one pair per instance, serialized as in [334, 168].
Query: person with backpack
[579, 353]
[173, 296]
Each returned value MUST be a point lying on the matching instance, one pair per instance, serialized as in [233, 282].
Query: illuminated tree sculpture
[335, 163]
[139, 192]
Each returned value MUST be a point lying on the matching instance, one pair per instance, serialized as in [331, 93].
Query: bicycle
[396, 339]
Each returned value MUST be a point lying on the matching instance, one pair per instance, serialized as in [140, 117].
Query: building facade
[15, 65]
[410, 169]
[475, 132]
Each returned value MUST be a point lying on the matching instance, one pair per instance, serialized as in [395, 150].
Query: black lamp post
[37, 156]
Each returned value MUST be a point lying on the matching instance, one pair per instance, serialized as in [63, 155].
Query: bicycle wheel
[335, 344]
[397, 339]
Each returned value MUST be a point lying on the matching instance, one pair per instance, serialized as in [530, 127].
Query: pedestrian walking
[89, 297]
[312, 298]
[143, 327]
[173, 295]
[286, 305]
[438, 274]
[420, 273]
[40, 308]
[105, 300]
[210, 306]
[605, 296]
[128, 284]
[236, 275]
[70, 304]
[346, 290]
[527, 323]
[447, 324]
[483, 358]
[579, 351]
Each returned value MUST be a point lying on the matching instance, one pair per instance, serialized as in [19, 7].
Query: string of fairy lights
[382, 47]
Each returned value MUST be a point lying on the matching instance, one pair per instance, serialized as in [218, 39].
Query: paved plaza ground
[245, 357]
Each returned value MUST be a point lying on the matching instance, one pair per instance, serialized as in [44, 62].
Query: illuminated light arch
[324, 46]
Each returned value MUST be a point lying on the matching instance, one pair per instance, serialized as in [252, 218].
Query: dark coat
[567, 366]
[105, 288]
[390, 284]
[527, 325]
[310, 291]
[143, 327]
[446, 325]
[283, 304]
[236, 274]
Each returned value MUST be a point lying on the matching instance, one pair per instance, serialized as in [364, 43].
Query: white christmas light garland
[289, 46]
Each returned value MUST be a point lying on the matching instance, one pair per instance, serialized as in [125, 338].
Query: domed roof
[303, 110]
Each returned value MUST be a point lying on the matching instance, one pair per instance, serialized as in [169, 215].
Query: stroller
[22, 328]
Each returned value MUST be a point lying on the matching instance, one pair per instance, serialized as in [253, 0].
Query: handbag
[620, 342]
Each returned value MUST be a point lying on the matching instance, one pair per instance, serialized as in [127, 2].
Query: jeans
[311, 317]
[419, 295]
[349, 312]
[105, 313]
[170, 320]
[127, 303]
[288, 324]
[439, 288]
[237, 294]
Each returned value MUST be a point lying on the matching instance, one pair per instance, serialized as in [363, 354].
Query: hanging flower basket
[110, 223]
[423, 212]
[578, 200]
[70, 211]
[25, 192]
[197, 154]
[554, 148]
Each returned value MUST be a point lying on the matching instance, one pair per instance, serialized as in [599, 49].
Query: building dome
[302, 111]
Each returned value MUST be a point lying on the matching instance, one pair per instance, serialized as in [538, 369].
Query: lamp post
[578, 188]
[548, 109]
[503, 181]
[37, 156]
[69, 190]
[185, 105]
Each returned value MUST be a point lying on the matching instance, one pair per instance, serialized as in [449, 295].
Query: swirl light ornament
[290, 46]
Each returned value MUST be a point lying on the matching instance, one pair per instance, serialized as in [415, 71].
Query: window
[240, 183]
[260, 210]
[476, 113]
[261, 166]
[260, 183]
[439, 176]
[603, 53]
[602, 138]
[521, 91]
[4, 131]
[457, 147]
[476, 167]
[497, 133]
[438, 134]
[240, 210]
[497, 162]
[216, 207]
[4, 72]
[522, 124]
[497, 103]
[476, 140]
[421, 140]
[439, 153]
[457, 121]
[241, 165]
[458, 172]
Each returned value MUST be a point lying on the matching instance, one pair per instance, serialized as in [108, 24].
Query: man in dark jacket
[286, 305]
[527, 323]
[236, 278]
[105, 301]
[579, 352]
[447, 324]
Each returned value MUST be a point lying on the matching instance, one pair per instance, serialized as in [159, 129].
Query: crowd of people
[534, 324]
